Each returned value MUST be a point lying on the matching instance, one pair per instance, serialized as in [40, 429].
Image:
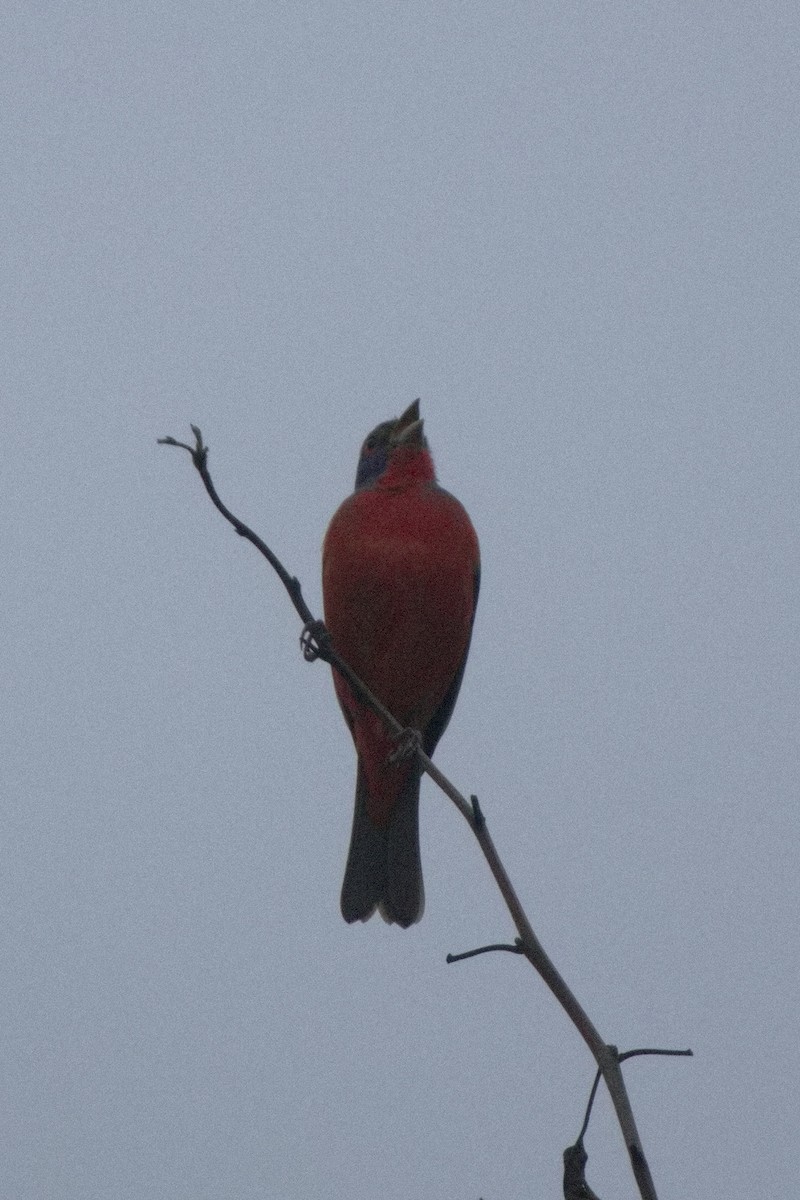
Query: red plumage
[400, 577]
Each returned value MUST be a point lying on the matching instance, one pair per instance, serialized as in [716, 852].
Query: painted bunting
[400, 577]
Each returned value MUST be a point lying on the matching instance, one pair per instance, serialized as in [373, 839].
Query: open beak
[407, 428]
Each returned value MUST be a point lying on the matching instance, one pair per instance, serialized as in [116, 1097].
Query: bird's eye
[370, 443]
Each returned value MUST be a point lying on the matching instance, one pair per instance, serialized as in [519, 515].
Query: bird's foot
[314, 640]
[408, 743]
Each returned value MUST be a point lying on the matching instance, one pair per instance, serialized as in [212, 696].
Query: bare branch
[316, 643]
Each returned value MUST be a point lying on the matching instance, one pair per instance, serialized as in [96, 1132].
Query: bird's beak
[407, 428]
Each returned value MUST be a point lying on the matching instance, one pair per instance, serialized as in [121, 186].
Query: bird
[400, 581]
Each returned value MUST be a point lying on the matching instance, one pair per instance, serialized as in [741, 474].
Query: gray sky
[572, 230]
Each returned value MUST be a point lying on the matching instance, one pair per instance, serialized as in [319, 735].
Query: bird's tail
[384, 869]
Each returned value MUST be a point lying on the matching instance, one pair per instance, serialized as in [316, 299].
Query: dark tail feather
[384, 870]
[404, 897]
[365, 873]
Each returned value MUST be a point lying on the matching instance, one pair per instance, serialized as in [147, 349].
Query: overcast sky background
[572, 229]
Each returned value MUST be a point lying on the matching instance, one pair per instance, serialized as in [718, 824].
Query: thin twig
[199, 453]
[515, 949]
[663, 1053]
[588, 1114]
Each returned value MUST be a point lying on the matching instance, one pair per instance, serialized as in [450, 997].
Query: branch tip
[198, 451]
